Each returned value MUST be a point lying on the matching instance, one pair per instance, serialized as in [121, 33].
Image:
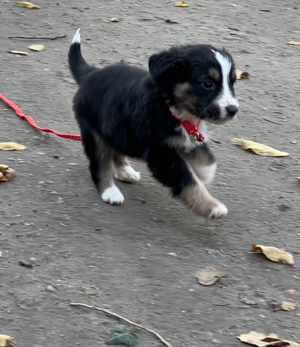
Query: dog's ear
[169, 67]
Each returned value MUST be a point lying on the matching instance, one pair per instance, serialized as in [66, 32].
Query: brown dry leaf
[6, 341]
[274, 254]
[112, 20]
[241, 74]
[36, 48]
[208, 276]
[259, 149]
[6, 174]
[28, 4]
[181, 4]
[262, 340]
[294, 43]
[288, 306]
[11, 146]
[169, 21]
[18, 52]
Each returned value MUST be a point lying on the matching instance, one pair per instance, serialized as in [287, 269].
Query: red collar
[190, 127]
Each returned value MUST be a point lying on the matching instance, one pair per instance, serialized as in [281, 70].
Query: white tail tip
[76, 38]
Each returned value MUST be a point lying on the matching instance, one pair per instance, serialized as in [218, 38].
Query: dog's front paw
[218, 211]
[113, 196]
[127, 174]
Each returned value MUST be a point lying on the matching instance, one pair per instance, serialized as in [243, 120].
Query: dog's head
[197, 80]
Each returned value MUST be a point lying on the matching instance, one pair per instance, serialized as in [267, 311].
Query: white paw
[219, 211]
[127, 174]
[113, 196]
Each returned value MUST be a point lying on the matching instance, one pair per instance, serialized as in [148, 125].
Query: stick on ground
[54, 37]
[124, 319]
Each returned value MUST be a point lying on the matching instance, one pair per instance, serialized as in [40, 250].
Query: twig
[38, 37]
[124, 319]
[268, 120]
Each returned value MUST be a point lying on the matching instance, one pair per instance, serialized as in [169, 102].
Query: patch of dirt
[119, 257]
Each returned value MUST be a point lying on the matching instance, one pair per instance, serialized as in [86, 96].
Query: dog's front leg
[174, 171]
[202, 162]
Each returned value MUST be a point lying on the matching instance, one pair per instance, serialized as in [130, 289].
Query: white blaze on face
[226, 98]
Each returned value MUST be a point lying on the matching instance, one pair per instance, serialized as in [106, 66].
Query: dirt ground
[119, 257]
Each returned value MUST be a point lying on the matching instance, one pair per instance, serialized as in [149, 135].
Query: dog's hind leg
[100, 156]
[123, 170]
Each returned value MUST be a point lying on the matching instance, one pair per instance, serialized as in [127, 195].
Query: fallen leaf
[6, 341]
[259, 149]
[6, 174]
[28, 4]
[241, 74]
[208, 276]
[294, 43]
[288, 306]
[181, 4]
[18, 52]
[11, 146]
[112, 20]
[36, 48]
[122, 334]
[274, 254]
[262, 340]
[171, 21]
[298, 178]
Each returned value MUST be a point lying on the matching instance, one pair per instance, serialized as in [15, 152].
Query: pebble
[50, 289]
[293, 142]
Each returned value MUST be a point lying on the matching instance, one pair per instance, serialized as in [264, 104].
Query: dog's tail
[78, 66]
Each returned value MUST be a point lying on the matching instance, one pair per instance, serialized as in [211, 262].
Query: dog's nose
[231, 110]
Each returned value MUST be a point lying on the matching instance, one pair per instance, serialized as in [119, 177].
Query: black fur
[127, 108]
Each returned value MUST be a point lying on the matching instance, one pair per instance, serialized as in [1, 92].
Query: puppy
[161, 117]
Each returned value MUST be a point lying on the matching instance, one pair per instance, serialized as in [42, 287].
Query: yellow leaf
[112, 20]
[6, 174]
[28, 4]
[241, 74]
[208, 276]
[260, 149]
[294, 43]
[274, 254]
[288, 306]
[181, 4]
[11, 146]
[36, 47]
[262, 340]
[6, 341]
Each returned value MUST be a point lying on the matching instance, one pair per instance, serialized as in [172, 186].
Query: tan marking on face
[183, 98]
[214, 74]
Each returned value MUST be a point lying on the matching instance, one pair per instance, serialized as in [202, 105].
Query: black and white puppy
[161, 117]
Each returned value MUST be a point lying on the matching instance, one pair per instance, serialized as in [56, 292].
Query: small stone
[173, 254]
[293, 142]
[291, 291]
[33, 259]
[50, 289]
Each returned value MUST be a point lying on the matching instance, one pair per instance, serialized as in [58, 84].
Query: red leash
[32, 122]
[191, 128]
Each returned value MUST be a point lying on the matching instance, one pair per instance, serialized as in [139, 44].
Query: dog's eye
[208, 85]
